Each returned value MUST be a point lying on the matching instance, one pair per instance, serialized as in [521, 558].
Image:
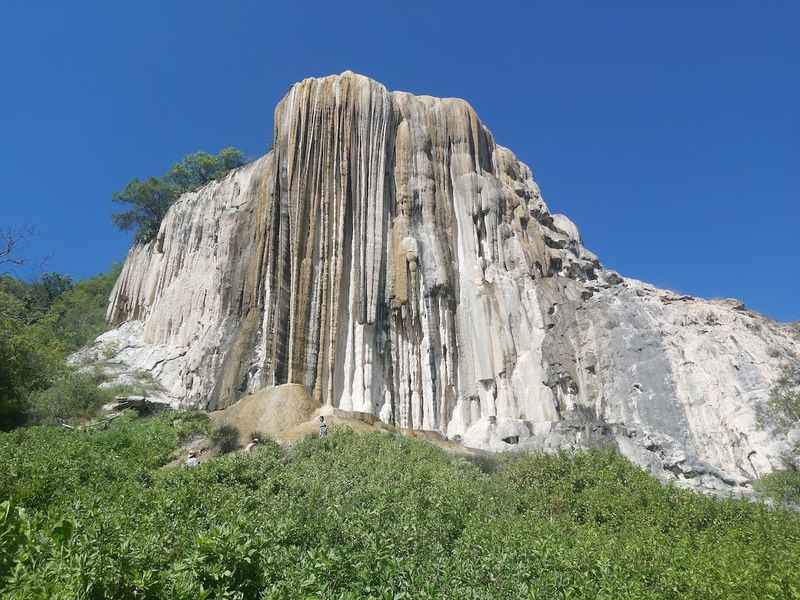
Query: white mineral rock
[394, 260]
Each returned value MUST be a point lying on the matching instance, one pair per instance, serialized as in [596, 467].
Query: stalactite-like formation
[390, 257]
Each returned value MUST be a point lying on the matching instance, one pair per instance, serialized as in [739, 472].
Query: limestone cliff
[394, 260]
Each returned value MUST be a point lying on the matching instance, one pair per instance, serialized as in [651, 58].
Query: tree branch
[10, 240]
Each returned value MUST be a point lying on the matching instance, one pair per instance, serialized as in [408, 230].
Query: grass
[92, 515]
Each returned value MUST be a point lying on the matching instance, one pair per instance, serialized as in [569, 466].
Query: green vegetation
[79, 315]
[783, 406]
[781, 486]
[43, 321]
[74, 395]
[150, 199]
[782, 412]
[225, 438]
[91, 515]
[40, 324]
[190, 423]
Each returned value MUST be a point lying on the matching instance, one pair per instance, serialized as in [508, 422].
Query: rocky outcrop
[390, 257]
[271, 411]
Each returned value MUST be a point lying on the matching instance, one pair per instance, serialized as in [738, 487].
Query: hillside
[389, 256]
[366, 516]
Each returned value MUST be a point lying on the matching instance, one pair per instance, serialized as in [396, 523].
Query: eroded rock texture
[390, 257]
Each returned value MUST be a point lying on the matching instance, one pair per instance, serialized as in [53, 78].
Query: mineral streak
[390, 257]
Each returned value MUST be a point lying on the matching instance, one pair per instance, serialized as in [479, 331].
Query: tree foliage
[78, 316]
[781, 486]
[41, 322]
[150, 199]
[36, 297]
[30, 358]
[71, 395]
[782, 408]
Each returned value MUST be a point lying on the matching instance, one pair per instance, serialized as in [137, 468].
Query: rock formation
[390, 257]
[272, 412]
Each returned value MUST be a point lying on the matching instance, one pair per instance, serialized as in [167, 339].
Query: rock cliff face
[394, 260]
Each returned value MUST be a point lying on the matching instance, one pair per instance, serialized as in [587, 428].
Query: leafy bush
[47, 467]
[150, 199]
[191, 423]
[225, 438]
[74, 395]
[783, 406]
[29, 360]
[781, 486]
[366, 516]
[41, 322]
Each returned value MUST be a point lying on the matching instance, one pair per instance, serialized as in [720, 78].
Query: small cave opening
[511, 439]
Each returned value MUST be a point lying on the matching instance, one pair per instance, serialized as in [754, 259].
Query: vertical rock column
[331, 222]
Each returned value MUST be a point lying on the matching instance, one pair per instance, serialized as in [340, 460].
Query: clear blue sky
[669, 135]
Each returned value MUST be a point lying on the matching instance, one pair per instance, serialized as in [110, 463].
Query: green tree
[40, 294]
[41, 322]
[150, 199]
[30, 359]
[36, 297]
[12, 360]
[783, 406]
[79, 315]
[48, 288]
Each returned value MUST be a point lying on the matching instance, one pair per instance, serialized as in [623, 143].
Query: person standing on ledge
[323, 427]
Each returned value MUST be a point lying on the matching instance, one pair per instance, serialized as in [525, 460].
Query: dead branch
[10, 239]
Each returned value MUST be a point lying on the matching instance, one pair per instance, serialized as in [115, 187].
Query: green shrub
[781, 486]
[260, 436]
[41, 322]
[191, 423]
[366, 516]
[74, 395]
[783, 406]
[225, 438]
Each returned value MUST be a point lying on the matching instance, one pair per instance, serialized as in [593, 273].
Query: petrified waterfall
[390, 257]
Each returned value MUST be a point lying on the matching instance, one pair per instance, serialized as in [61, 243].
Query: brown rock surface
[271, 411]
[391, 258]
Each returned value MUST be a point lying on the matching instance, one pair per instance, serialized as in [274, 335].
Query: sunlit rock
[390, 257]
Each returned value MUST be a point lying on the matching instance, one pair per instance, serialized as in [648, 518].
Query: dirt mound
[271, 411]
[287, 414]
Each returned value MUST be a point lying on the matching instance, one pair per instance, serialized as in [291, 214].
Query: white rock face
[390, 257]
